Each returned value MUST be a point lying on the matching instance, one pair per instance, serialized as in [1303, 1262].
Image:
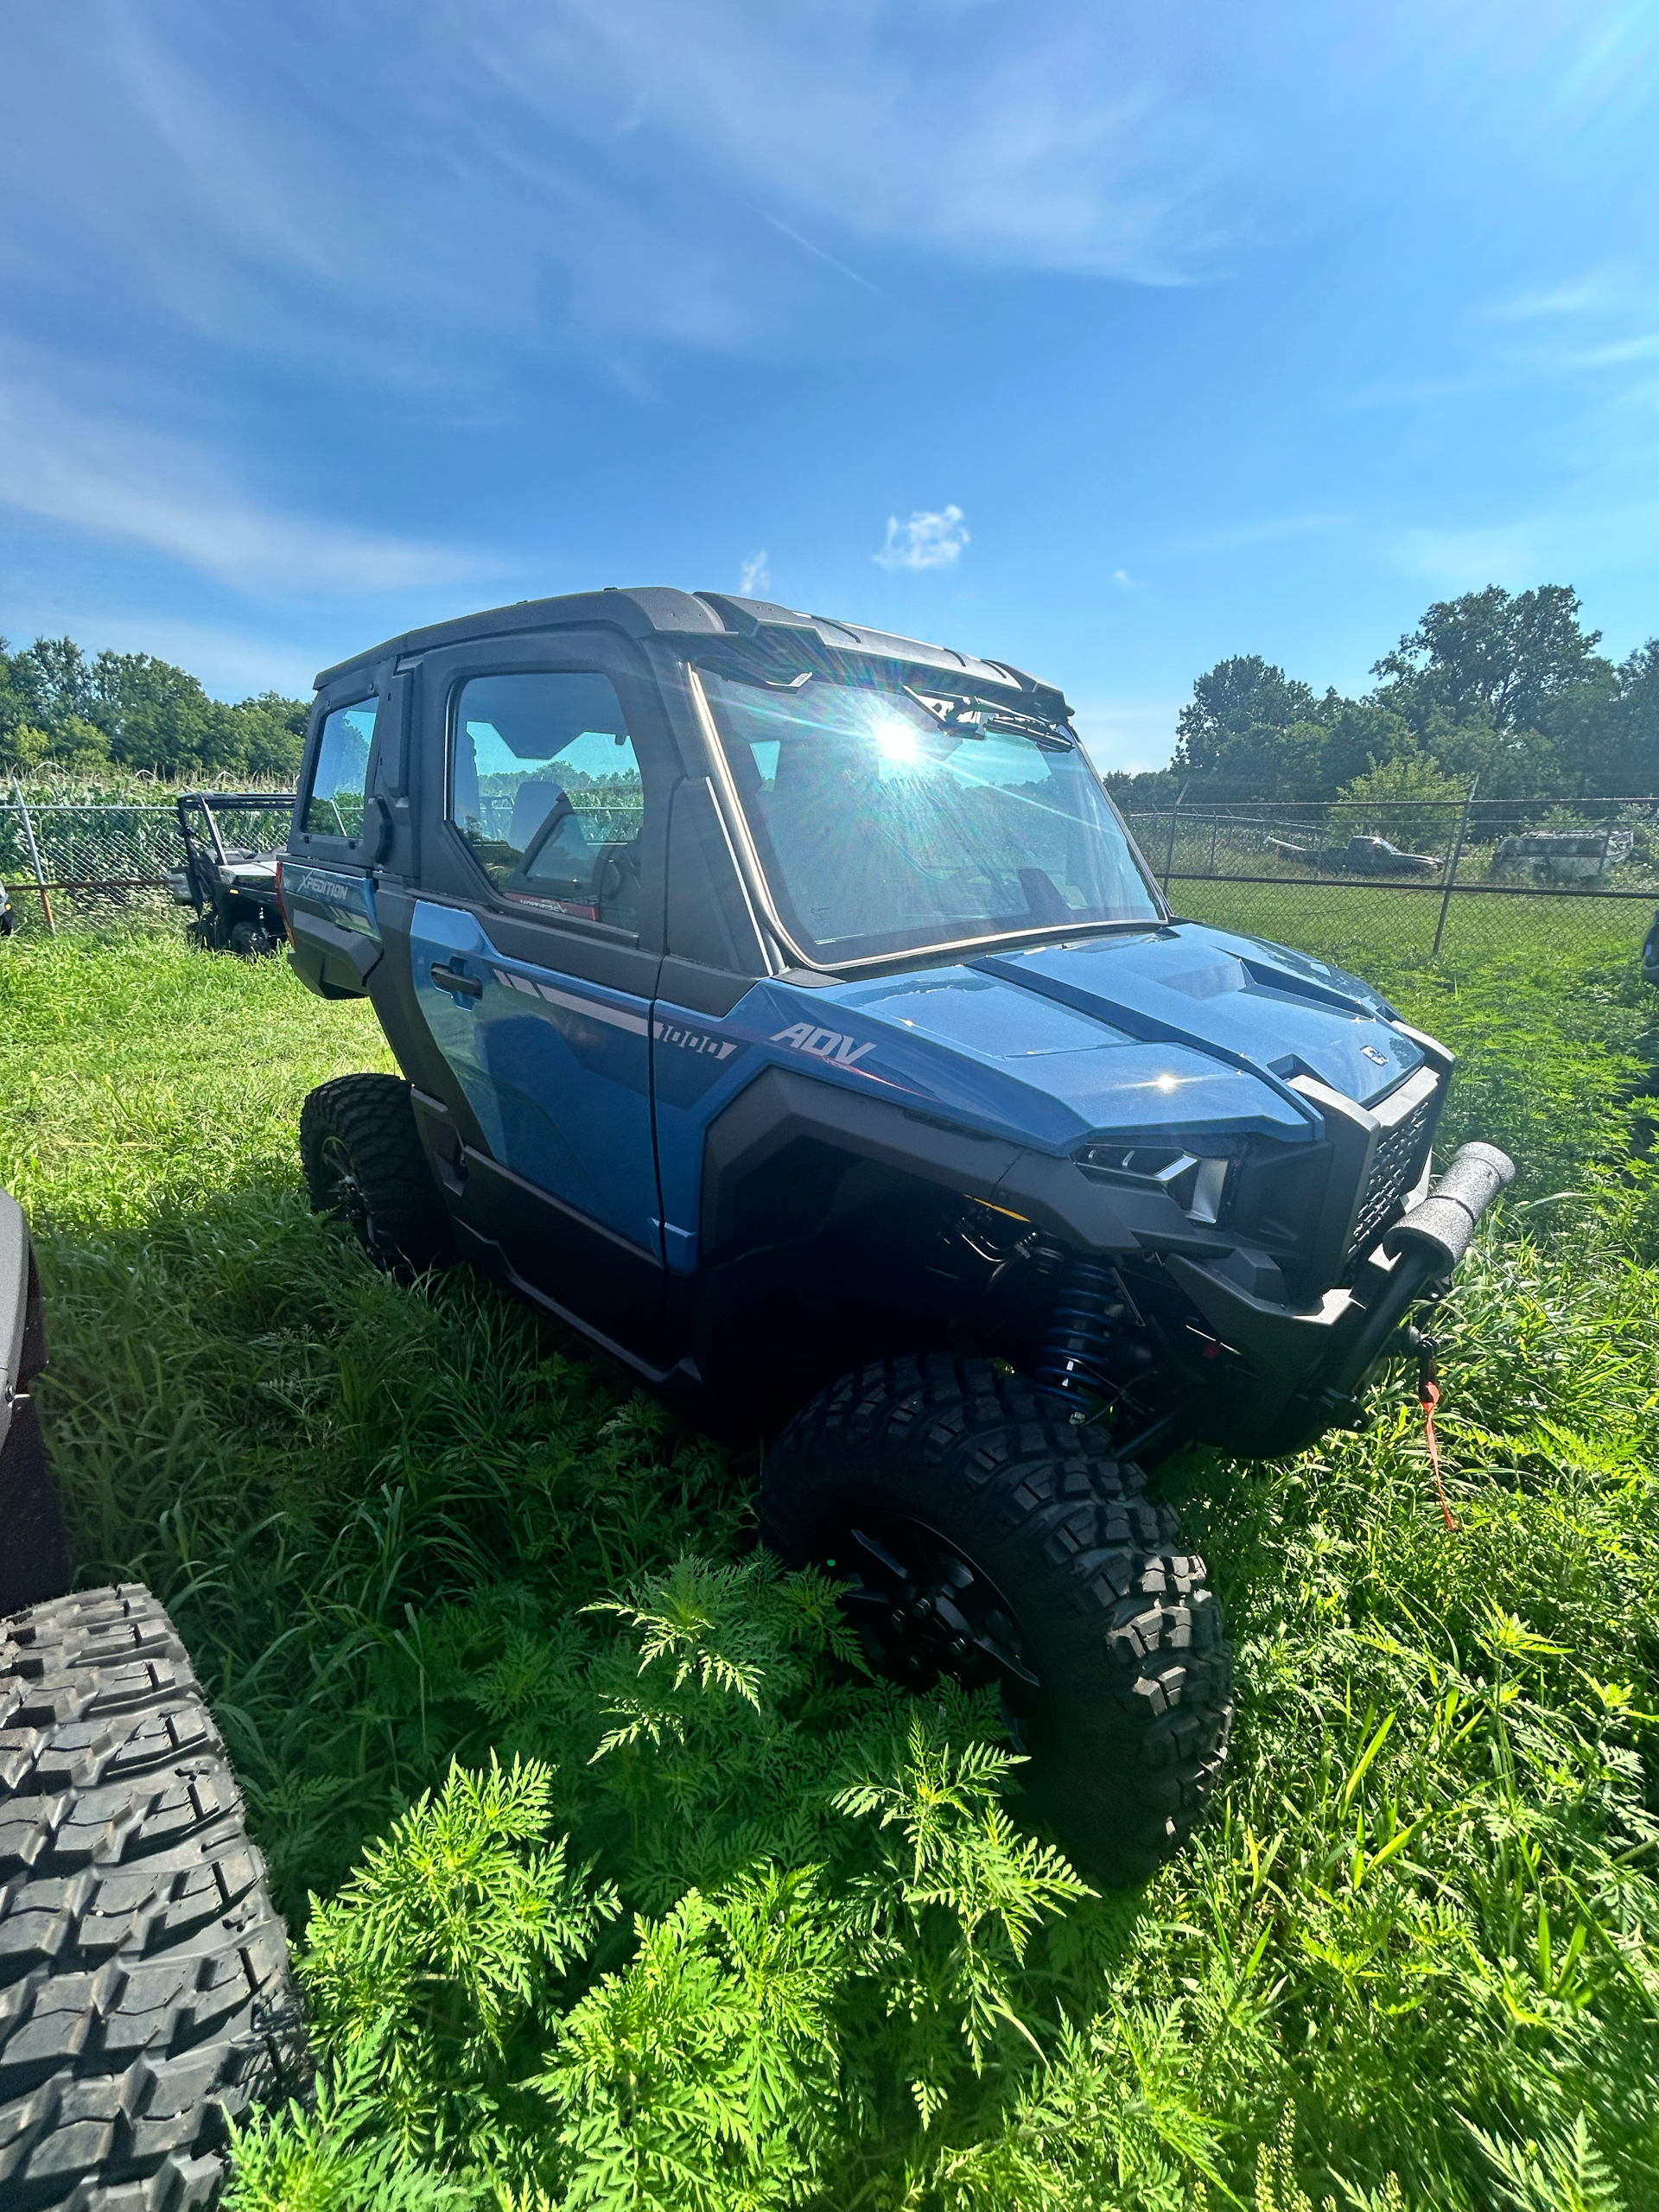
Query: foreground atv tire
[989, 1539]
[364, 1162]
[144, 1991]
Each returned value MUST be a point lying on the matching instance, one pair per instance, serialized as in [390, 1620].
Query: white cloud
[1060, 143]
[595, 175]
[1523, 550]
[754, 576]
[926, 541]
[1601, 290]
[1232, 537]
[1124, 581]
[116, 480]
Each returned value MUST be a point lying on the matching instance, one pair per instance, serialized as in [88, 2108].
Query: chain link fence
[1415, 881]
[1412, 881]
[62, 861]
[67, 861]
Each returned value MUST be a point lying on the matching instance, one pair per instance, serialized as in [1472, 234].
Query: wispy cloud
[1604, 322]
[594, 176]
[926, 541]
[1592, 294]
[1558, 545]
[1124, 581]
[117, 480]
[754, 576]
[1232, 537]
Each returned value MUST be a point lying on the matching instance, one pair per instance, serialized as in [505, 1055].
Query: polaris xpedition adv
[784, 1006]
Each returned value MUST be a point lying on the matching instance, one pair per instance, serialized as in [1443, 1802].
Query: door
[533, 944]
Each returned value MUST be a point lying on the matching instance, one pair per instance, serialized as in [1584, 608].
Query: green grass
[1409, 1960]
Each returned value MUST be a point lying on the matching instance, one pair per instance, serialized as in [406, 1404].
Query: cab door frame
[605, 1283]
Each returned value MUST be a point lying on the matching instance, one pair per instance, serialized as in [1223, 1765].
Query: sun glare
[897, 740]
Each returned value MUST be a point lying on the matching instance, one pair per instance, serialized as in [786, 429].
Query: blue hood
[1185, 1028]
[1261, 1005]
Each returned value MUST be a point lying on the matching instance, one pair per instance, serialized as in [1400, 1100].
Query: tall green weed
[630, 1888]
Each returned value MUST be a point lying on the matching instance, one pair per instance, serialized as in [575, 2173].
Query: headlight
[1195, 1184]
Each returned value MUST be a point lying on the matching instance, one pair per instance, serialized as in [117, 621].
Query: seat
[532, 802]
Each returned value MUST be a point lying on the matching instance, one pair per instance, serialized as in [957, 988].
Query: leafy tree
[58, 705]
[159, 716]
[76, 744]
[1508, 687]
[1391, 802]
[270, 731]
[1508, 658]
[53, 680]
[1630, 761]
[1361, 735]
[1239, 718]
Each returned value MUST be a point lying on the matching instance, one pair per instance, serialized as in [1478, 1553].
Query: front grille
[1396, 1164]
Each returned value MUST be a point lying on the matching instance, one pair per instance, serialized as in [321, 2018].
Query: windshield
[885, 825]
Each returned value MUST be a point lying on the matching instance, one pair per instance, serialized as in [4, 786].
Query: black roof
[650, 610]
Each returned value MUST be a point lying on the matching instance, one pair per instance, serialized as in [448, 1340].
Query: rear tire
[1032, 1558]
[251, 941]
[364, 1163]
[145, 1989]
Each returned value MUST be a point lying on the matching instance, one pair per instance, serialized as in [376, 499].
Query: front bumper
[1297, 1371]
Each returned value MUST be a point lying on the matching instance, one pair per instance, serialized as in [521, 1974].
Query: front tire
[987, 1538]
[365, 1164]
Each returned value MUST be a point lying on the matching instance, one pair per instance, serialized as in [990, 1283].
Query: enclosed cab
[784, 1006]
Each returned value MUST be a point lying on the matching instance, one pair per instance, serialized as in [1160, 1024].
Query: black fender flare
[782, 1112]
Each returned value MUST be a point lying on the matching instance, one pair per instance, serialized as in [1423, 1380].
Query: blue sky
[1106, 341]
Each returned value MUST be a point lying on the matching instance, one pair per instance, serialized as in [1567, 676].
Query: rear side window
[333, 806]
[544, 786]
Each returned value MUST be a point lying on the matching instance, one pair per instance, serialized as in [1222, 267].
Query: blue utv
[784, 1005]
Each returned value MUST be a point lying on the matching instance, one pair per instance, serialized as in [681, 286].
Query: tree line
[1508, 687]
[63, 708]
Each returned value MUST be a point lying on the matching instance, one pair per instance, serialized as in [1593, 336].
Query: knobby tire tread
[145, 1997]
[374, 1121]
[1130, 1636]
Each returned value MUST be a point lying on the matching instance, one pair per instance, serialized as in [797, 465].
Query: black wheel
[251, 941]
[363, 1162]
[145, 1989]
[987, 1538]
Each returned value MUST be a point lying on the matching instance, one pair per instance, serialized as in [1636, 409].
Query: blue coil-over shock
[1087, 1306]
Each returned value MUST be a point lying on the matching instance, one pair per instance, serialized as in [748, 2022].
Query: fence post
[1169, 850]
[35, 854]
[1452, 869]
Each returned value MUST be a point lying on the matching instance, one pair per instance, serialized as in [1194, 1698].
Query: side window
[545, 788]
[333, 806]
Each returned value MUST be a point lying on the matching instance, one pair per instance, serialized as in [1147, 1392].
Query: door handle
[451, 979]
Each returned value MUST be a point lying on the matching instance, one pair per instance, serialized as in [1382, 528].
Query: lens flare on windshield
[897, 740]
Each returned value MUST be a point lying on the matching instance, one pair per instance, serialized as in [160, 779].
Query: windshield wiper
[977, 717]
